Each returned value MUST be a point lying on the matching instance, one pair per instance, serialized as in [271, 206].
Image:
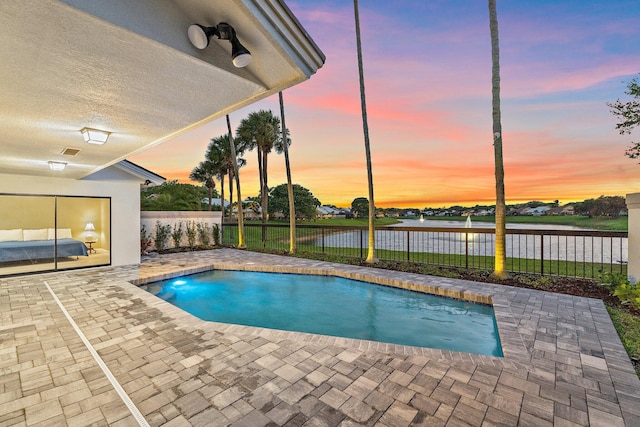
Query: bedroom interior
[52, 233]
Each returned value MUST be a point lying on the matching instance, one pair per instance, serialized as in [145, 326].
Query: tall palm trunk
[265, 189]
[210, 186]
[222, 205]
[500, 255]
[232, 181]
[261, 176]
[235, 170]
[371, 254]
[292, 206]
[222, 194]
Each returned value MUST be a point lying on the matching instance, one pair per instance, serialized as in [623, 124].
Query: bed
[38, 244]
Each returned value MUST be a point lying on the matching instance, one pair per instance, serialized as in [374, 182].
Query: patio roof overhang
[127, 67]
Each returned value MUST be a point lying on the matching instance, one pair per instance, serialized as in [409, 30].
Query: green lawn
[628, 327]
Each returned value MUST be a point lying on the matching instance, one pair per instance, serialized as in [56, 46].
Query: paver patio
[87, 347]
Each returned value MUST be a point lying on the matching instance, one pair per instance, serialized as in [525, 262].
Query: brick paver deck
[145, 362]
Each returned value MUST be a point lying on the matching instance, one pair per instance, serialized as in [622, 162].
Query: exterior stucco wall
[125, 206]
[633, 204]
[148, 219]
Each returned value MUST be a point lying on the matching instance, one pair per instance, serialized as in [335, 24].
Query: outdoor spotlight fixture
[57, 166]
[95, 136]
[200, 35]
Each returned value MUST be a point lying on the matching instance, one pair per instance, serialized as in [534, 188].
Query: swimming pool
[334, 306]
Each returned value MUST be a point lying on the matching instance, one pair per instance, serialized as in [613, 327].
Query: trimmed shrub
[176, 234]
[191, 234]
[204, 233]
[162, 235]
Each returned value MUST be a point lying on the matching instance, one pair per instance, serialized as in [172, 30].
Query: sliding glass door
[50, 233]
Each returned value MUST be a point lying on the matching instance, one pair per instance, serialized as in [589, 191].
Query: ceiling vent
[70, 151]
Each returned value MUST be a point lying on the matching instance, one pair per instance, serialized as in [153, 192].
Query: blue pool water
[334, 306]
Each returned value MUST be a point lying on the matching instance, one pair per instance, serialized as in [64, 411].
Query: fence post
[542, 254]
[466, 249]
[408, 248]
[633, 260]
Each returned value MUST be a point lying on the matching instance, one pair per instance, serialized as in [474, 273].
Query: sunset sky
[427, 68]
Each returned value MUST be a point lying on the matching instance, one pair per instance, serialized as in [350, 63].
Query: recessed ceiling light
[95, 136]
[57, 166]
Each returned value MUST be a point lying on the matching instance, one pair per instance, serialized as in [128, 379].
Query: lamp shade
[95, 136]
[89, 227]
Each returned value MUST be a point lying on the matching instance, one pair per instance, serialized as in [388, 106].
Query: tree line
[175, 196]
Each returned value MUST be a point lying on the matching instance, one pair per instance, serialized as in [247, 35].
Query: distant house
[247, 214]
[214, 202]
[484, 212]
[562, 211]
[538, 211]
[326, 211]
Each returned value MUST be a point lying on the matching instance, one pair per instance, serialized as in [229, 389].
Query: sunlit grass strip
[628, 327]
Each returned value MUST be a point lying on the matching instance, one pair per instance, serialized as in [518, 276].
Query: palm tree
[260, 130]
[240, 162]
[234, 157]
[204, 173]
[214, 155]
[500, 255]
[219, 152]
[371, 254]
[284, 147]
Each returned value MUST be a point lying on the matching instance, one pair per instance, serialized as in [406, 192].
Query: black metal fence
[572, 253]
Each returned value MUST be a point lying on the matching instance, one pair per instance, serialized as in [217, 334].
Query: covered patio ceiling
[128, 67]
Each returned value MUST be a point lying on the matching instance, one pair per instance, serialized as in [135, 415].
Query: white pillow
[63, 233]
[8, 235]
[39, 234]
